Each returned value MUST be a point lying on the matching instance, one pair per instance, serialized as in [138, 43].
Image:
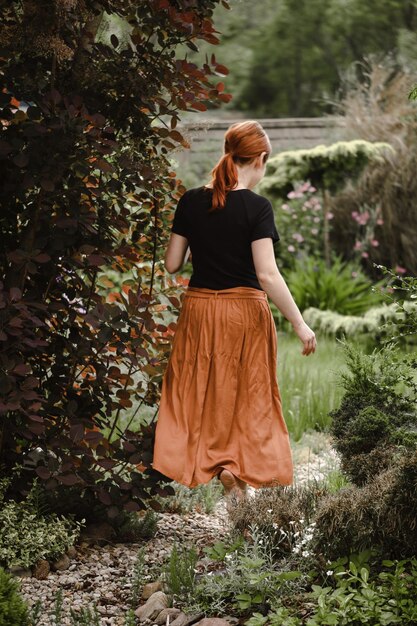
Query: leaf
[43, 472]
[15, 294]
[114, 40]
[47, 184]
[68, 479]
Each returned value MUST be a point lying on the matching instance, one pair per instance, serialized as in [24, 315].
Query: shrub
[131, 528]
[280, 514]
[13, 609]
[88, 119]
[377, 411]
[27, 535]
[372, 327]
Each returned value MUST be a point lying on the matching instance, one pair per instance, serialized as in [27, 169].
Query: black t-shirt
[220, 241]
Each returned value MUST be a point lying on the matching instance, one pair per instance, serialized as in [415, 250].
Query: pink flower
[314, 231]
[399, 269]
[354, 274]
[298, 237]
[358, 245]
[380, 221]
[316, 219]
[365, 255]
[285, 207]
[291, 249]
[374, 243]
[329, 215]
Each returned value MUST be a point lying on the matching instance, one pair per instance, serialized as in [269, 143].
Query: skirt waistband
[231, 292]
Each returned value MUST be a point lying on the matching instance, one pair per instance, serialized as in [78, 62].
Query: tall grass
[308, 384]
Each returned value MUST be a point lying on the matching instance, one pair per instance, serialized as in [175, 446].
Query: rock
[98, 533]
[151, 588]
[22, 572]
[186, 620]
[41, 569]
[152, 607]
[213, 621]
[72, 552]
[172, 613]
[61, 564]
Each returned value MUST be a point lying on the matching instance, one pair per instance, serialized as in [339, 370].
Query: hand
[307, 337]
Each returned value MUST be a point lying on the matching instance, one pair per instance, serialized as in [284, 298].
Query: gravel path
[102, 574]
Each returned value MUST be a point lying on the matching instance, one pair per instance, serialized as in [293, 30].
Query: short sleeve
[179, 224]
[264, 225]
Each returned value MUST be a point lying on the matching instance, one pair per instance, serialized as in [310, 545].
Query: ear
[261, 157]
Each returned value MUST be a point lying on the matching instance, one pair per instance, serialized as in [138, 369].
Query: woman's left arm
[177, 253]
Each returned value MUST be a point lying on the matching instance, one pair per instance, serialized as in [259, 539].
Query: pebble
[102, 574]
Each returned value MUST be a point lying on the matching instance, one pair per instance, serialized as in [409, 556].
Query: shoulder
[260, 203]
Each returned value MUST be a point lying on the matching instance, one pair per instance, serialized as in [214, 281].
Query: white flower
[305, 553]
[269, 511]
[329, 572]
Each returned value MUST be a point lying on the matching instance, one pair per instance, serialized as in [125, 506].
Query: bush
[341, 288]
[13, 609]
[27, 534]
[378, 411]
[132, 528]
[371, 327]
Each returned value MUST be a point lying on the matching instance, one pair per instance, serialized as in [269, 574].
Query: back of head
[243, 142]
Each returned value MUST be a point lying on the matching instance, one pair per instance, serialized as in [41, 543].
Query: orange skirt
[220, 402]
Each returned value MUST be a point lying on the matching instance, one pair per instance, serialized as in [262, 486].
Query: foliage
[377, 110]
[341, 288]
[303, 50]
[27, 535]
[328, 168]
[130, 527]
[377, 410]
[249, 581]
[300, 219]
[372, 326]
[13, 609]
[282, 516]
[355, 592]
[201, 498]
[88, 122]
[357, 598]
[179, 572]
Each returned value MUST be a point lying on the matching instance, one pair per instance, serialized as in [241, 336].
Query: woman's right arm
[274, 285]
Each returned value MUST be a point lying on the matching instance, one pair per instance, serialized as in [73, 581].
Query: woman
[220, 412]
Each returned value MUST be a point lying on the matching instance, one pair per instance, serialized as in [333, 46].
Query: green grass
[308, 384]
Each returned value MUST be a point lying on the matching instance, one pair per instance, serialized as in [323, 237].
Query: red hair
[243, 142]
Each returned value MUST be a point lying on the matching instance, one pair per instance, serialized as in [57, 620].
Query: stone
[152, 607]
[22, 572]
[41, 569]
[72, 552]
[98, 533]
[61, 564]
[186, 620]
[213, 621]
[170, 613]
[150, 588]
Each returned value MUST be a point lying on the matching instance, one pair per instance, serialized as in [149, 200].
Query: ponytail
[224, 178]
[243, 142]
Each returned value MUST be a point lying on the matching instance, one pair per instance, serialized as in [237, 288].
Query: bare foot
[232, 485]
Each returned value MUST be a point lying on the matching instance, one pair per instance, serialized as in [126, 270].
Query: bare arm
[177, 253]
[274, 285]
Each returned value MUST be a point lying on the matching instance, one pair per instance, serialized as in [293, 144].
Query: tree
[301, 55]
[88, 122]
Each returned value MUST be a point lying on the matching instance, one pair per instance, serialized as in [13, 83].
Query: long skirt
[220, 402]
